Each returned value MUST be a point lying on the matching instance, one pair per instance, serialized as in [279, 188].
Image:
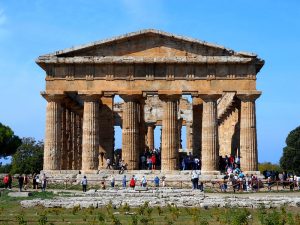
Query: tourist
[269, 182]
[26, 181]
[231, 161]
[195, 179]
[224, 184]
[149, 163]
[144, 181]
[163, 181]
[21, 182]
[5, 181]
[143, 162]
[9, 181]
[102, 186]
[108, 163]
[156, 181]
[124, 181]
[132, 182]
[291, 180]
[84, 184]
[112, 181]
[183, 164]
[153, 161]
[44, 182]
[34, 183]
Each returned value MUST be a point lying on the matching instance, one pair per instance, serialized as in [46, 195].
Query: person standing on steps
[84, 183]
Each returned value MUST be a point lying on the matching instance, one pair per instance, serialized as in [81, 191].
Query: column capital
[249, 95]
[210, 96]
[53, 97]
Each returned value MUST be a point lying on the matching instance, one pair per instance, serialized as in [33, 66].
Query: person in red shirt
[153, 159]
[5, 181]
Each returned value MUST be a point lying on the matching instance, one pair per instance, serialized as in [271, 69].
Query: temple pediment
[149, 43]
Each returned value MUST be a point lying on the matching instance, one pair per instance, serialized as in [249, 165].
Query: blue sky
[270, 28]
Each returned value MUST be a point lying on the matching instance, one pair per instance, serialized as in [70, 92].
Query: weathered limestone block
[210, 153]
[106, 131]
[197, 125]
[169, 152]
[248, 138]
[130, 131]
[52, 149]
[90, 139]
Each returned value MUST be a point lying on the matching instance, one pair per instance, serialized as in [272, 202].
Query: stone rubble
[162, 197]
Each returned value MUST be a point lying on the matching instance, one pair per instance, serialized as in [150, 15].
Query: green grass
[12, 213]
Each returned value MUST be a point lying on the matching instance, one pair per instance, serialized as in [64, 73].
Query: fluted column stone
[189, 136]
[248, 135]
[131, 131]
[64, 153]
[197, 125]
[150, 135]
[210, 153]
[52, 149]
[169, 151]
[90, 137]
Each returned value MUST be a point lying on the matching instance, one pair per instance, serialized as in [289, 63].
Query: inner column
[169, 152]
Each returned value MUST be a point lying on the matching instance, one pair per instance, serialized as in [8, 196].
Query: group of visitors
[24, 181]
[150, 159]
[228, 164]
[240, 181]
[133, 181]
[190, 162]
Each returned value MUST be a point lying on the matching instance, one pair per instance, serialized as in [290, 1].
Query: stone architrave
[52, 149]
[169, 151]
[210, 153]
[248, 136]
[197, 125]
[131, 131]
[90, 138]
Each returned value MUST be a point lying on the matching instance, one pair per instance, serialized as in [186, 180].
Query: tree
[269, 167]
[290, 159]
[29, 157]
[8, 141]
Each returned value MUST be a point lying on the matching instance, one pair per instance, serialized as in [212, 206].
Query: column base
[213, 172]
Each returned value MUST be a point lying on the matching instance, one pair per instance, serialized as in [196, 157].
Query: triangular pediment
[149, 43]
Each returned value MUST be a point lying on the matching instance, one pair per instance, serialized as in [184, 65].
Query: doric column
[90, 138]
[248, 136]
[150, 135]
[210, 154]
[169, 152]
[52, 149]
[106, 131]
[189, 136]
[131, 131]
[142, 127]
[179, 125]
[79, 140]
[64, 153]
[197, 125]
[69, 137]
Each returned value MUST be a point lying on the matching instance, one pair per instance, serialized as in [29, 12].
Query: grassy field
[12, 213]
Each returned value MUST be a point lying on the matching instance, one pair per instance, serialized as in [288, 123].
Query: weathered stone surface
[163, 197]
[79, 134]
[19, 194]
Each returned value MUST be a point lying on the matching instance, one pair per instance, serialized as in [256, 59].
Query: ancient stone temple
[151, 71]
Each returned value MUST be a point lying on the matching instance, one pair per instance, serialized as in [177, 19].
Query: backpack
[132, 182]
